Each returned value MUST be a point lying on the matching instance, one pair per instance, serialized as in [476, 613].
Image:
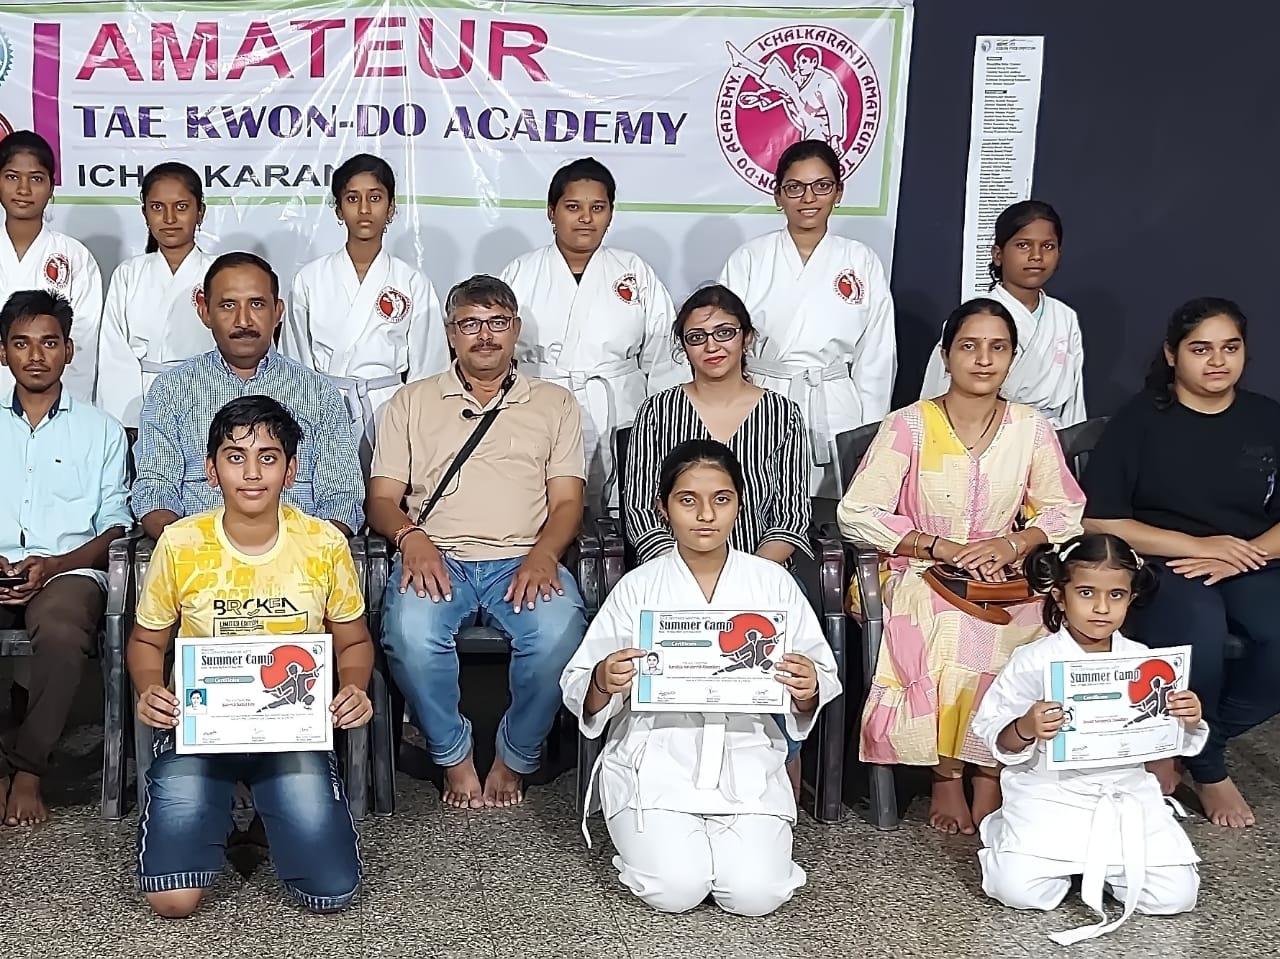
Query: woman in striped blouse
[764, 429]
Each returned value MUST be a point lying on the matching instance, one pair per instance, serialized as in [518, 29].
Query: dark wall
[1158, 142]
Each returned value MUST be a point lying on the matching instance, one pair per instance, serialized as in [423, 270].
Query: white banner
[474, 104]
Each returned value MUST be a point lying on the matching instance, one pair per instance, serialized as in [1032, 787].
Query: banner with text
[474, 104]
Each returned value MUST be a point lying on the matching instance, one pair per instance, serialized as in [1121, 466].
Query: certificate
[1117, 708]
[711, 661]
[251, 694]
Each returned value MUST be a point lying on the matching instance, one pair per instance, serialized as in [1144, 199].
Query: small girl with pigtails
[1111, 825]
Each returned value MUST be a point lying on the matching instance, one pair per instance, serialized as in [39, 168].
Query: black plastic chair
[828, 738]
[1077, 443]
[353, 744]
[388, 704]
[859, 563]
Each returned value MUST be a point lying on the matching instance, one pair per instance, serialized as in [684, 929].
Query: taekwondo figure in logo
[1150, 692]
[290, 677]
[810, 95]
[749, 644]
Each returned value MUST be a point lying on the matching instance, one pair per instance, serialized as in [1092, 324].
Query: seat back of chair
[1078, 442]
[851, 447]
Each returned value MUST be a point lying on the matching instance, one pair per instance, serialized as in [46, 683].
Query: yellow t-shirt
[198, 579]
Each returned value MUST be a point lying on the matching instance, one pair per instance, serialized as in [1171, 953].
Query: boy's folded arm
[145, 656]
[353, 648]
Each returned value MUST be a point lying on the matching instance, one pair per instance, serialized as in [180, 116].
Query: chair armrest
[589, 565]
[142, 551]
[119, 562]
[360, 556]
[378, 550]
[863, 561]
[867, 571]
[829, 550]
[613, 554]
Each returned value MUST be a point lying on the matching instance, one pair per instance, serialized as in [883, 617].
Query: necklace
[981, 435]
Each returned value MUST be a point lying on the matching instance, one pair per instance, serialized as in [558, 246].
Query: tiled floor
[520, 883]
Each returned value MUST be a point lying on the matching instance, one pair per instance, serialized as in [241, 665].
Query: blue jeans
[1235, 695]
[418, 637]
[183, 826]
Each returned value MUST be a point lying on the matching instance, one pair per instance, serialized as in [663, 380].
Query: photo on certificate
[1116, 707]
[710, 661]
[247, 694]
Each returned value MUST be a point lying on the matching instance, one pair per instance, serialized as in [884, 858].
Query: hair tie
[1138, 560]
[1064, 553]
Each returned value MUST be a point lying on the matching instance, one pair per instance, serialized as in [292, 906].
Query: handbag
[980, 599]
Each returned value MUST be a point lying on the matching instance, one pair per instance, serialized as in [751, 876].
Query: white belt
[151, 366]
[356, 390]
[805, 388]
[576, 381]
[1112, 808]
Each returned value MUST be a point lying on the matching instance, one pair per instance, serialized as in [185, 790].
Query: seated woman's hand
[985, 558]
[1240, 553]
[158, 708]
[1212, 570]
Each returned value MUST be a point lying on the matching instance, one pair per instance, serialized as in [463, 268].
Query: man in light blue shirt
[63, 499]
[242, 308]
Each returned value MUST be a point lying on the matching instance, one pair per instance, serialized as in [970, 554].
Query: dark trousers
[1236, 695]
[62, 621]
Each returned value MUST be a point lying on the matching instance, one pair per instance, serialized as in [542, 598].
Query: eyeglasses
[794, 189]
[471, 325]
[721, 334]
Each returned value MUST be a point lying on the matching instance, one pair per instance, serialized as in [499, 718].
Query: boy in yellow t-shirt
[251, 567]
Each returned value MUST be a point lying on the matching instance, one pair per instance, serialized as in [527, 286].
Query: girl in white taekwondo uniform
[823, 307]
[1111, 825]
[34, 257]
[151, 321]
[364, 318]
[1048, 372]
[594, 319]
[699, 803]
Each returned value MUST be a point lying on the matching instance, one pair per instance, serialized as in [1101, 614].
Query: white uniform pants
[677, 859]
[1029, 882]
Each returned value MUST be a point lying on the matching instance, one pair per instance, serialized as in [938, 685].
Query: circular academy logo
[6, 58]
[801, 82]
[393, 305]
[849, 288]
[627, 288]
[57, 270]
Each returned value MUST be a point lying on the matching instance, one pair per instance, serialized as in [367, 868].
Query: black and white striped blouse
[772, 448]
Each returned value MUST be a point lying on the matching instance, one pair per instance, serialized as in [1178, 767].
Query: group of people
[476, 434]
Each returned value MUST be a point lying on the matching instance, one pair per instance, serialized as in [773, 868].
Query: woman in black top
[1187, 472]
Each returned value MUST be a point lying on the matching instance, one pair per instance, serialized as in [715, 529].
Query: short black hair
[979, 304]
[587, 168]
[684, 456]
[33, 144]
[27, 304]
[352, 167]
[239, 258]
[480, 290]
[246, 414]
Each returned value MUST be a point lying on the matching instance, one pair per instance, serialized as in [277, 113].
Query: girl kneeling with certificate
[697, 802]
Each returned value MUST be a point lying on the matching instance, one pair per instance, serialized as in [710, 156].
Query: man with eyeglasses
[480, 534]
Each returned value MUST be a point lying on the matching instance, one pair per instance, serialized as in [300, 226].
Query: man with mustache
[485, 538]
[242, 308]
[63, 499]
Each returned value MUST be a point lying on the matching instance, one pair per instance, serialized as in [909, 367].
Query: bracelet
[595, 681]
[1018, 732]
[932, 547]
[404, 531]
[915, 545]
[1013, 546]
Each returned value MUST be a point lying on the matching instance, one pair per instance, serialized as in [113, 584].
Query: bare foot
[1223, 804]
[1167, 773]
[986, 794]
[948, 811]
[462, 786]
[502, 787]
[793, 773]
[25, 806]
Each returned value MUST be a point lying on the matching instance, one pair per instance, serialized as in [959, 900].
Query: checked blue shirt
[174, 433]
